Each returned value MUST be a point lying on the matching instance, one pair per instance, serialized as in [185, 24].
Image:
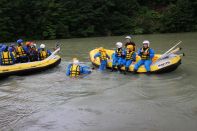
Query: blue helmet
[19, 41]
[4, 47]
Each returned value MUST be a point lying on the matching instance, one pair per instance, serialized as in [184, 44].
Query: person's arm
[139, 52]
[49, 52]
[26, 50]
[85, 69]
[84, 66]
[12, 56]
[115, 53]
[39, 55]
[124, 52]
[97, 55]
[152, 53]
[68, 70]
[134, 57]
[10, 49]
[113, 56]
[0, 59]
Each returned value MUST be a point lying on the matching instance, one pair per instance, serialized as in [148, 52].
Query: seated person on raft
[146, 54]
[12, 49]
[33, 53]
[117, 56]
[129, 57]
[21, 52]
[7, 58]
[43, 53]
[129, 42]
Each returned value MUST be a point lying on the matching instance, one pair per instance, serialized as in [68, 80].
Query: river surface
[104, 101]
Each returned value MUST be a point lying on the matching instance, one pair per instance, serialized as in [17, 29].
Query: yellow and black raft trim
[158, 66]
[30, 67]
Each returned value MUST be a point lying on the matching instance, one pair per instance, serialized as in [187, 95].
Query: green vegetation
[56, 19]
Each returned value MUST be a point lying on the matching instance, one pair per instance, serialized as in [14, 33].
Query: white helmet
[76, 62]
[34, 45]
[146, 42]
[42, 46]
[128, 37]
[119, 44]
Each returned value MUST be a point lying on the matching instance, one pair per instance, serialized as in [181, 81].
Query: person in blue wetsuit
[12, 49]
[6, 57]
[146, 54]
[129, 42]
[33, 53]
[21, 52]
[1, 47]
[43, 53]
[102, 54]
[129, 57]
[28, 46]
[117, 56]
[75, 69]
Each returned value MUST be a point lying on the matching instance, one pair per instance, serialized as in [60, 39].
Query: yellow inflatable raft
[30, 67]
[158, 66]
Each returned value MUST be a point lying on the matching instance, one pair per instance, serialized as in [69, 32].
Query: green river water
[104, 101]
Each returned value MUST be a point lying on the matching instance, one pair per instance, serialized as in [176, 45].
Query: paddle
[168, 52]
[173, 51]
[53, 54]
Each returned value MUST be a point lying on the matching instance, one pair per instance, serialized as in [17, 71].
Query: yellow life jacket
[119, 52]
[74, 70]
[103, 55]
[147, 56]
[131, 43]
[6, 58]
[129, 55]
[20, 51]
[14, 54]
[43, 54]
